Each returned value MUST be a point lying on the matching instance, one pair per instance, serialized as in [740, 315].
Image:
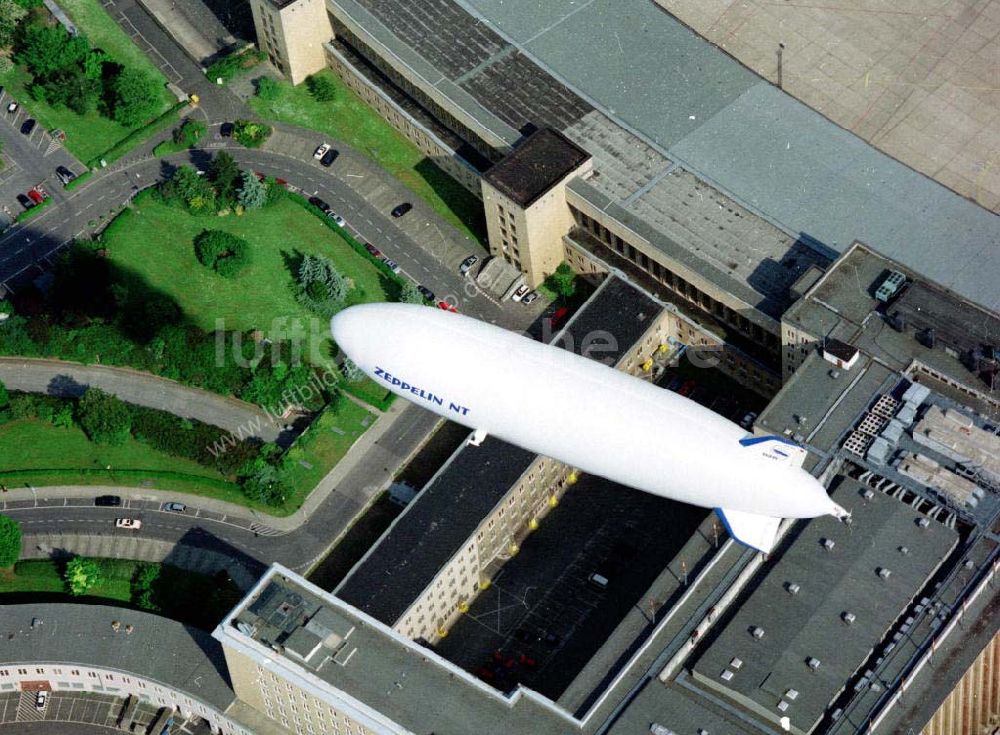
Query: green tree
[352, 372]
[186, 187]
[225, 174]
[253, 193]
[144, 587]
[563, 281]
[221, 251]
[45, 49]
[11, 14]
[321, 287]
[135, 97]
[250, 134]
[81, 575]
[10, 542]
[265, 485]
[4, 396]
[104, 418]
[72, 88]
[321, 87]
[409, 294]
[189, 133]
[267, 88]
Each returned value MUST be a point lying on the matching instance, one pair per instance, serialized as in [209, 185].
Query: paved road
[68, 379]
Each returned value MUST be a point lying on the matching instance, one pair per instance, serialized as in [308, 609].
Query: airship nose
[349, 329]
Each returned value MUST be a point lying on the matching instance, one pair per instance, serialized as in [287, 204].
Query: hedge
[235, 63]
[131, 140]
[79, 180]
[137, 474]
[29, 213]
[382, 404]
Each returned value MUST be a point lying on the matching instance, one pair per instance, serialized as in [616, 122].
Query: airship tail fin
[776, 448]
[753, 530]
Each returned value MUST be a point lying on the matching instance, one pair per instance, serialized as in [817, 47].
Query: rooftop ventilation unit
[727, 675]
[812, 663]
[924, 522]
[828, 544]
[792, 588]
[884, 573]
[757, 632]
[890, 286]
[736, 663]
[657, 729]
[904, 550]
[848, 617]
[792, 694]
[868, 494]
[782, 705]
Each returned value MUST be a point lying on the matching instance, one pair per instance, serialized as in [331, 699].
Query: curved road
[69, 379]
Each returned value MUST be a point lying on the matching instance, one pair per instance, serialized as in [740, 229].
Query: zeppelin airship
[585, 414]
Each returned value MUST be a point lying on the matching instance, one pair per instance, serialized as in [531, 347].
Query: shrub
[253, 193]
[251, 134]
[235, 63]
[135, 97]
[81, 574]
[221, 251]
[104, 417]
[268, 89]
[4, 395]
[265, 485]
[321, 87]
[563, 281]
[10, 542]
[189, 133]
[409, 294]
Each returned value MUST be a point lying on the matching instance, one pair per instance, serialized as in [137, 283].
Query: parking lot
[29, 159]
[711, 387]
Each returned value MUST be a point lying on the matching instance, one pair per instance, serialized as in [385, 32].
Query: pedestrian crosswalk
[261, 530]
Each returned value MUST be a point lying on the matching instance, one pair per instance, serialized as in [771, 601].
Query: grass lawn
[349, 119]
[155, 241]
[195, 599]
[38, 453]
[322, 446]
[88, 135]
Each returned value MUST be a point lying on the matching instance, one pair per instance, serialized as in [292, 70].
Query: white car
[393, 266]
[41, 699]
[321, 151]
[133, 524]
[520, 293]
[337, 219]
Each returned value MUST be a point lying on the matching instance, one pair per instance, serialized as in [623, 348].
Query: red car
[35, 196]
[447, 307]
[686, 389]
[558, 315]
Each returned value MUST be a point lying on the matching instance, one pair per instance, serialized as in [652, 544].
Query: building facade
[292, 33]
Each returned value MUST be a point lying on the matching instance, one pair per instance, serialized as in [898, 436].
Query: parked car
[426, 292]
[226, 129]
[400, 209]
[393, 265]
[338, 220]
[64, 174]
[24, 201]
[175, 507]
[329, 157]
[132, 524]
[685, 390]
[41, 700]
[108, 501]
[558, 315]
[448, 306]
[12, 107]
[747, 421]
[28, 126]
[373, 250]
[321, 150]
[36, 196]
[519, 293]
[320, 204]
[529, 297]
[467, 264]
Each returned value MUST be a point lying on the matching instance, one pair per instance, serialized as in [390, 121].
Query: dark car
[372, 249]
[319, 204]
[108, 501]
[64, 174]
[401, 209]
[329, 157]
[426, 292]
[28, 125]
[23, 200]
[226, 130]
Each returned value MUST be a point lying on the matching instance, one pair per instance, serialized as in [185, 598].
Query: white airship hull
[580, 412]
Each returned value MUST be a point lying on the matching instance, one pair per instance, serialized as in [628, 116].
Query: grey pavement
[69, 379]
[192, 27]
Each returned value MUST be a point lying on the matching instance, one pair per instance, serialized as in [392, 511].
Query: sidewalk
[327, 486]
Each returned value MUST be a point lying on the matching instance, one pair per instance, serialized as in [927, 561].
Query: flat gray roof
[809, 624]
[176, 655]
[379, 669]
[760, 146]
